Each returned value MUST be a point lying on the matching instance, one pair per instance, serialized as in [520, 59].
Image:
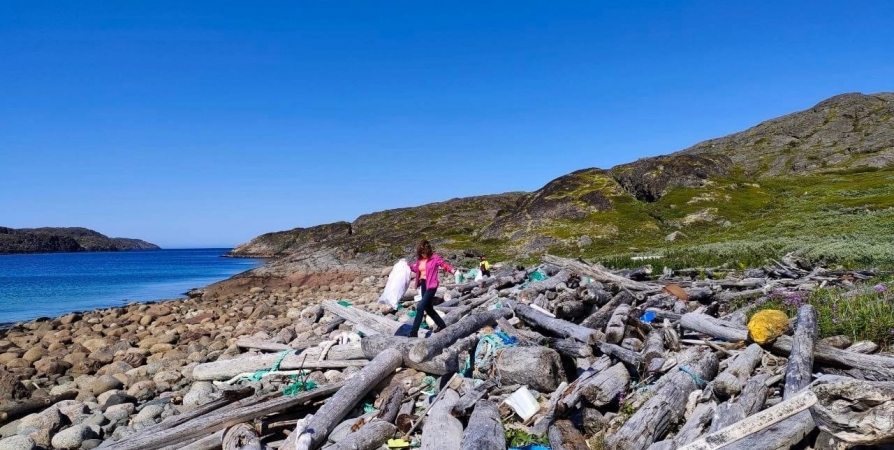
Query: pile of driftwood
[614, 359]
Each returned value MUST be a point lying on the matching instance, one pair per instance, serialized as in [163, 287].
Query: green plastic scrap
[369, 408]
[345, 303]
[260, 374]
[298, 387]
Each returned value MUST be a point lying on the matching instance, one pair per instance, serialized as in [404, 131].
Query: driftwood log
[800, 361]
[665, 407]
[563, 436]
[15, 410]
[337, 407]
[221, 419]
[446, 362]
[341, 356]
[597, 273]
[428, 348]
[856, 412]
[485, 431]
[604, 387]
[882, 365]
[369, 437]
[599, 319]
[367, 322]
[697, 424]
[241, 436]
[538, 367]
[753, 424]
[653, 352]
[617, 324]
[750, 401]
[557, 326]
[442, 431]
[731, 381]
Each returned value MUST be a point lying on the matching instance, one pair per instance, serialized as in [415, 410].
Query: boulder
[119, 412]
[17, 443]
[201, 392]
[72, 437]
[142, 390]
[104, 384]
[118, 398]
[149, 413]
[34, 354]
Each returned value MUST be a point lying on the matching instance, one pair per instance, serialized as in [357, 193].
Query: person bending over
[426, 269]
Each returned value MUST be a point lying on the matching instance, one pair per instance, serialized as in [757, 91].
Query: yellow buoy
[767, 325]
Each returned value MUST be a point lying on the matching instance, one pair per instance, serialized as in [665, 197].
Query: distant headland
[58, 240]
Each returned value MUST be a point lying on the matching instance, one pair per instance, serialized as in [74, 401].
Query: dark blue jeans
[425, 306]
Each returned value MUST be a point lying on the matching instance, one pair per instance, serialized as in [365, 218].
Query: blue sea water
[51, 285]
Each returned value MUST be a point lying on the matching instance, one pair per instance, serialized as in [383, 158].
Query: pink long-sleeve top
[431, 271]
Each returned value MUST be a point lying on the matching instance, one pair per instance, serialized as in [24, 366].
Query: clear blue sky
[205, 123]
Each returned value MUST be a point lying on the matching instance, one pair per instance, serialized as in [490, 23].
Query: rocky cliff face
[716, 190]
[55, 240]
[844, 132]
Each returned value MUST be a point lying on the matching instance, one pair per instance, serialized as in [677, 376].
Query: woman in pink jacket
[426, 270]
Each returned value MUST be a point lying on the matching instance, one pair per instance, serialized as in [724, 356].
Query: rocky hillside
[818, 180]
[55, 240]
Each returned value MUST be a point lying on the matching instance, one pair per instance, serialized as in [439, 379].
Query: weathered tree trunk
[223, 370]
[568, 347]
[543, 420]
[241, 436]
[665, 407]
[557, 326]
[799, 370]
[750, 402]
[538, 367]
[13, 411]
[563, 436]
[736, 433]
[697, 424]
[462, 311]
[598, 273]
[442, 431]
[630, 358]
[599, 319]
[428, 348]
[572, 395]
[222, 419]
[222, 404]
[466, 403]
[856, 412]
[617, 324]
[368, 322]
[653, 353]
[571, 309]
[529, 293]
[604, 387]
[485, 431]
[731, 381]
[211, 442]
[882, 365]
[390, 406]
[447, 362]
[369, 437]
[337, 407]
[248, 342]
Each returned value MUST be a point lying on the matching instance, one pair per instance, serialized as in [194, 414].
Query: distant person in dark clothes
[426, 270]
[484, 266]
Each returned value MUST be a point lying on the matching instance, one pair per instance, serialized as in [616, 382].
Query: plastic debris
[767, 325]
[523, 403]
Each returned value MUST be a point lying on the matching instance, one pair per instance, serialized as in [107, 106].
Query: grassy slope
[845, 218]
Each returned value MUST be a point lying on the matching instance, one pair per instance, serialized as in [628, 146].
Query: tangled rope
[487, 351]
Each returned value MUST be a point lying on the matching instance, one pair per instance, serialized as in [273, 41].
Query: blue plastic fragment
[648, 317]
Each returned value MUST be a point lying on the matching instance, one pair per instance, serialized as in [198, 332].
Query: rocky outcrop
[55, 240]
[843, 132]
[649, 178]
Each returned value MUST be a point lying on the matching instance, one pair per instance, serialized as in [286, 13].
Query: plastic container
[523, 403]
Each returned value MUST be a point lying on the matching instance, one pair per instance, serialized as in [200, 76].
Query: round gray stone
[72, 437]
[17, 443]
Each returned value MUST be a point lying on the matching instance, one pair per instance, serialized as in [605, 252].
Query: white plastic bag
[398, 282]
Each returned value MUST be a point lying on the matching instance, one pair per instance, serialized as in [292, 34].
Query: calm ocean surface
[54, 284]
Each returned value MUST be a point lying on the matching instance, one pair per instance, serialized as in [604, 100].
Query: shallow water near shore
[50, 285]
